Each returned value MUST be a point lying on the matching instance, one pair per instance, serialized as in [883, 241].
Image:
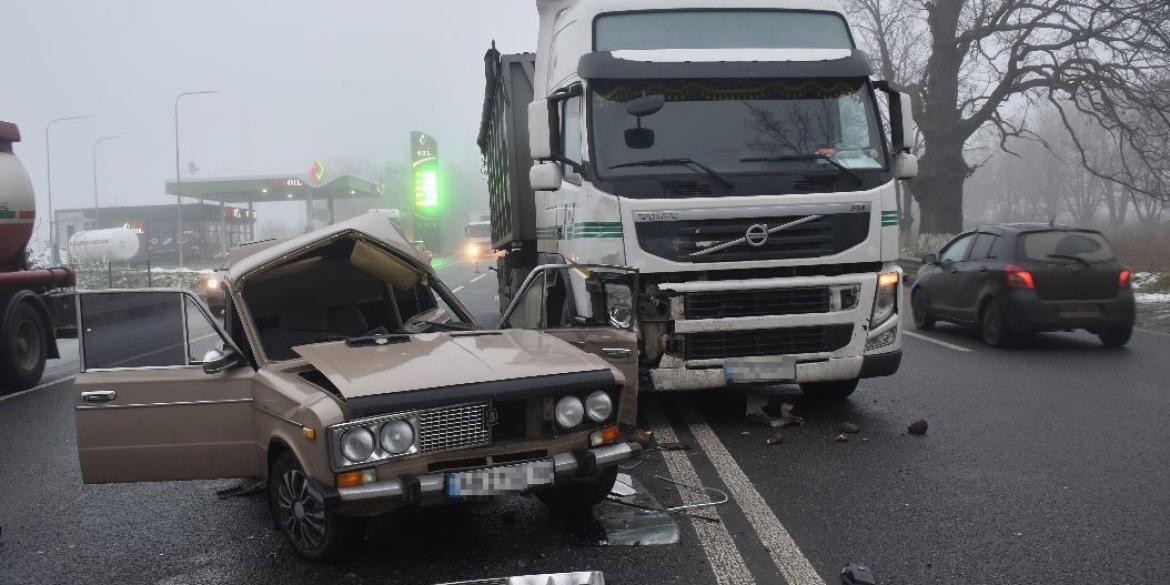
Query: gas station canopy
[268, 188]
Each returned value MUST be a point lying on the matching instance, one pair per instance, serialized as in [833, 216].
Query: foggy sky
[299, 81]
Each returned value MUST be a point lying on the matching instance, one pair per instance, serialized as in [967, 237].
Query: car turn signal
[352, 478]
[1123, 279]
[604, 436]
[1016, 277]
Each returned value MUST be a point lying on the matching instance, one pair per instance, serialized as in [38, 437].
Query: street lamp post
[54, 254]
[179, 176]
[95, 174]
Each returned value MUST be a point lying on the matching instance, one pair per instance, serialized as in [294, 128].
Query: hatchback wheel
[1115, 336]
[920, 310]
[994, 327]
[299, 509]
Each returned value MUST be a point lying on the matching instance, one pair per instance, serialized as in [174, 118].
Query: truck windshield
[479, 230]
[739, 126]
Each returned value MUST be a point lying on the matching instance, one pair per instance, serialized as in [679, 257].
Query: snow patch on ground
[1146, 280]
[1152, 297]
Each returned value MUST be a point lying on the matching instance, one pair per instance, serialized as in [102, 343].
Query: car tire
[836, 390]
[993, 327]
[298, 508]
[24, 348]
[1115, 336]
[579, 497]
[921, 311]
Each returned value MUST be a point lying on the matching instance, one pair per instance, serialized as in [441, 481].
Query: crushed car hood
[438, 360]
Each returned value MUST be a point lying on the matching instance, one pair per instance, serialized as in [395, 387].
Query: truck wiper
[1071, 257]
[824, 157]
[688, 162]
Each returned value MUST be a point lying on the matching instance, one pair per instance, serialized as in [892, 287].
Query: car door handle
[99, 396]
[982, 270]
[616, 352]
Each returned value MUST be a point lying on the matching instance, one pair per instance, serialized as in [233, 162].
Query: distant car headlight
[472, 250]
[397, 437]
[212, 284]
[570, 412]
[598, 406]
[885, 301]
[358, 444]
[619, 302]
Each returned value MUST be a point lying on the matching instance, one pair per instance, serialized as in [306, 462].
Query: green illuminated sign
[425, 162]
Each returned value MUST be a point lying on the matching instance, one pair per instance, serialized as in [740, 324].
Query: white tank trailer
[108, 245]
[33, 305]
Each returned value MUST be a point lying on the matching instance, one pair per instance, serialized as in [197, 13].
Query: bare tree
[984, 65]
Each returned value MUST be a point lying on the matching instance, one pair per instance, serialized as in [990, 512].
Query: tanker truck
[33, 304]
[733, 152]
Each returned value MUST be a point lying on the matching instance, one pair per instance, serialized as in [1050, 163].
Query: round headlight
[570, 412]
[598, 406]
[357, 444]
[397, 437]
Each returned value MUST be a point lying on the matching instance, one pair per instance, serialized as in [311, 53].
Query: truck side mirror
[542, 123]
[545, 177]
[905, 166]
[901, 117]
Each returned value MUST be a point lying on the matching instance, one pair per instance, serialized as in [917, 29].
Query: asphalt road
[1042, 464]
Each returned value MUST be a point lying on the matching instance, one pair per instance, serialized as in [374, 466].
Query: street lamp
[178, 175]
[54, 255]
[95, 176]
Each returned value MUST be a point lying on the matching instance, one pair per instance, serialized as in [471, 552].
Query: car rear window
[1088, 246]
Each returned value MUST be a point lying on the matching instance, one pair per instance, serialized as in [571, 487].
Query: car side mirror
[545, 177]
[220, 360]
[930, 259]
[639, 138]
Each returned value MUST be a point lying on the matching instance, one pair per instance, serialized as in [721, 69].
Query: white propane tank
[112, 245]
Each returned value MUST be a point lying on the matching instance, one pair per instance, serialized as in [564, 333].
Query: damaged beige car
[353, 379]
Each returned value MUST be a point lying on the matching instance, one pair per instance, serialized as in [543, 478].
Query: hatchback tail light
[1123, 279]
[1016, 277]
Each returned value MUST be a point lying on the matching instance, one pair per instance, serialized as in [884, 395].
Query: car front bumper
[393, 493]
[1025, 311]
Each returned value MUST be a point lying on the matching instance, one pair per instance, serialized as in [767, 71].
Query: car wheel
[578, 497]
[298, 506]
[995, 329]
[836, 390]
[24, 348]
[918, 306]
[1116, 336]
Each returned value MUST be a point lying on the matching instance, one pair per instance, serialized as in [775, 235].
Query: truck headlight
[358, 444]
[570, 412]
[598, 406]
[620, 304]
[397, 437]
[885, 301]
[472, 250]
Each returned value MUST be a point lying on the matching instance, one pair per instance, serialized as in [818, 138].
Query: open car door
[590, 306]
[148, 406]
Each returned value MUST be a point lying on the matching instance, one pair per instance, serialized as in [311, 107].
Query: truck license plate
[759, 369]
[495, 481]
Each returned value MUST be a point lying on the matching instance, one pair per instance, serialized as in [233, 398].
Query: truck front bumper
[412, 490]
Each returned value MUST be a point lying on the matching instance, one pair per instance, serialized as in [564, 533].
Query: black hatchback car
[1015, 279]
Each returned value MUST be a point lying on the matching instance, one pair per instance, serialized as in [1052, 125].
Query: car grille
[758, 342]
[825, 236]
[752, 303]
[458, 427]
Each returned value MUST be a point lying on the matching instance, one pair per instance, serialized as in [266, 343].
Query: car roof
[1021, 227]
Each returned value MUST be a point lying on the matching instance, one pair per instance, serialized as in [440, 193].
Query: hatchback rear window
[1057, 245]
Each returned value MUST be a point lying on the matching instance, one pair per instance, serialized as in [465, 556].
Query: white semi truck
[735, 153]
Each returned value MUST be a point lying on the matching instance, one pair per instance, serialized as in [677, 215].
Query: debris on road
[849, 428]
[854, 574]
[865, 439]
[917, 427]
[755, 412]
[842, 438]
[673, 447]
[775, 439]
[642, 437]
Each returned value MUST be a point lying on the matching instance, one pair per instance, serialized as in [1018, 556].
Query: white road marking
[456, 289]
[793, 565]
[451, 264]
[935, 341]
[724, 558]
[1151, 332]
[40, 387]
[476, 279]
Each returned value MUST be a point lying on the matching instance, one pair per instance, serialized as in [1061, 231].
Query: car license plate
[1080, 312]
[759, 369]
[495, 481]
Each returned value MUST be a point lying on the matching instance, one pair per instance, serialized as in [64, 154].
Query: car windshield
[739, 126]
[1052, 245]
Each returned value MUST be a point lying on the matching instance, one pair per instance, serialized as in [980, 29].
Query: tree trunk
[939, 189]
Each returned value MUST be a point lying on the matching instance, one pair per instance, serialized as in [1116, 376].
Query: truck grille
[757, 342]
[457, 427]
[828, 235]
[752, 303]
